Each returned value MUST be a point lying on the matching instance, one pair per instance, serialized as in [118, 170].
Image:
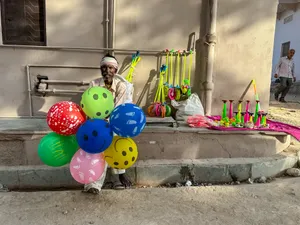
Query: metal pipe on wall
[47, 66]
[63, 66]
[58, 91]
[65, 82]
[211, 40]
[86, 49]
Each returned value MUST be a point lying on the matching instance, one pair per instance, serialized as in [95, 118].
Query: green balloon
[57, 150]
[97, 102]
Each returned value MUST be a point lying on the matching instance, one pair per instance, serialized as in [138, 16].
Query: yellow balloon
[122, 153]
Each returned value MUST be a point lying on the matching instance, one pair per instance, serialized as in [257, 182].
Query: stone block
[273, 166]
[12, 153]
[157, 172]
[46, 177]
[9, 176]
[211, 173]
[239, 172]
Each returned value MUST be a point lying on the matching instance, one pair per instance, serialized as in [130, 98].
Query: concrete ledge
[157, 172]
[159, 143]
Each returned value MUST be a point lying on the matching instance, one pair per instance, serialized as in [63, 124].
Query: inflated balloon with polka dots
[97, 102]
[94, 136]
[122, 153]
[65, 118]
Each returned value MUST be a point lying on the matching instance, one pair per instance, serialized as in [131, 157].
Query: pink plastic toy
[230, 109]
[247, 111]
[197, 121]
[171, 93]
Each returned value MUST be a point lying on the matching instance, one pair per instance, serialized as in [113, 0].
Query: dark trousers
[284, 86]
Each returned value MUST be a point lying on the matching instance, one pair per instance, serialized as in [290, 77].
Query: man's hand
[276, 75]
[294, 78]
[125, 181]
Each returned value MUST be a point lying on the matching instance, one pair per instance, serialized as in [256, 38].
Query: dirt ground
[285, 112]
[272, 203]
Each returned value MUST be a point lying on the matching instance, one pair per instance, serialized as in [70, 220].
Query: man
[109, 68]
[285, 70]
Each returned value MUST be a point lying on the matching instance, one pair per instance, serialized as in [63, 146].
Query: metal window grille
[288, 19]
[23, 22]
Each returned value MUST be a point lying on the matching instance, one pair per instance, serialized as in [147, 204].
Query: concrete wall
[243, 51]
[284, 33]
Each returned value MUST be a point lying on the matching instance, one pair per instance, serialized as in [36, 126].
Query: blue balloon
[94, 136]
[127, 120]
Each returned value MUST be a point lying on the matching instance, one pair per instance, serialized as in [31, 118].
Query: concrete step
[19, 141]
[20, 148]
[158, 172]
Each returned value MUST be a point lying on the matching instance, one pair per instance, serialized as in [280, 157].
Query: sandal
[92, 190]
[118, 186]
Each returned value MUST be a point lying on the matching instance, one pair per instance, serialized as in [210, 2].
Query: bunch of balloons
[92, 134]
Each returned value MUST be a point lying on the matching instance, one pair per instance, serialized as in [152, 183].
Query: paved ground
[286, 112]
[273, 203]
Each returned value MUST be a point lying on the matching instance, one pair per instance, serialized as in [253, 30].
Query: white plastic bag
[129, 89]
[191, 106]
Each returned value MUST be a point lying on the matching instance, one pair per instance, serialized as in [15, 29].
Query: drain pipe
[111, 25]
[211, 40]
[106, 23]
[29, 91]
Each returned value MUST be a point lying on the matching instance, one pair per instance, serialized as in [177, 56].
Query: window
[288, 19]
[23, 22]
[285, 47]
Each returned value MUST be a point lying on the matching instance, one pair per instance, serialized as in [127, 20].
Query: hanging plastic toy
[162, 108]
[168, 78]
[171, 93]
[134, 61]
[184, 87]
[177, 84]
[159, 107]
[187, 81]
[129, 77]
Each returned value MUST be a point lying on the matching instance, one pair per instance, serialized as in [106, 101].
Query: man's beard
[107, 78]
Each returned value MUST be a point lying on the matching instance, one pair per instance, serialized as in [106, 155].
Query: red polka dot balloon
[65, 117]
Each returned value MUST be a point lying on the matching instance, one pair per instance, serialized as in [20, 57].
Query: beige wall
[243, 51]
[245, 48]
[75, 23]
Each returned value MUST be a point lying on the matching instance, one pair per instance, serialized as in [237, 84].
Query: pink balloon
[86, 168]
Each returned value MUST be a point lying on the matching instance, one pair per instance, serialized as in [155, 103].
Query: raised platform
[19, 139]
[168, 153]
[157, 172]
